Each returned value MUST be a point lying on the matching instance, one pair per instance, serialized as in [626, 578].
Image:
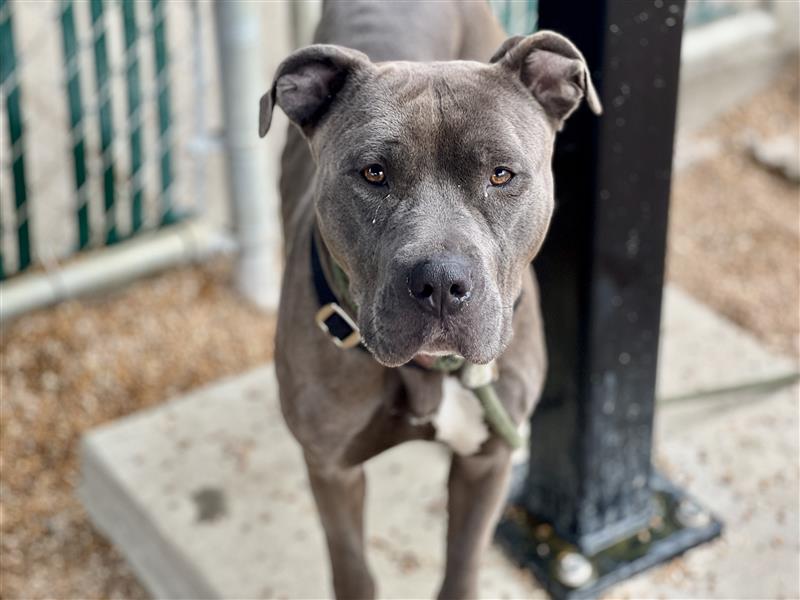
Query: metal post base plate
[678, 524]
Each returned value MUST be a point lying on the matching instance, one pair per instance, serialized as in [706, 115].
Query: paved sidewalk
[207, 497]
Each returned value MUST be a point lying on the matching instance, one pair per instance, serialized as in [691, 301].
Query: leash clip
[333, 309]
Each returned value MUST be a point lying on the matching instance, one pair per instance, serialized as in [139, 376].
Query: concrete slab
[207, 497]
[738, 455]
[700, 350]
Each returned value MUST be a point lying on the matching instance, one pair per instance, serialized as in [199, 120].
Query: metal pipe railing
[255, 207]
[111, 267]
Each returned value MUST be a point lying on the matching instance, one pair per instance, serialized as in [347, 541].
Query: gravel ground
[735, 227]
[734, 243]
[67, 369]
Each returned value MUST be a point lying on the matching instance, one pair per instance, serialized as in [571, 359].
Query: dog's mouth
[405, 348]
[437, 349]
[430, 360]
[395, 342]
[396, 328]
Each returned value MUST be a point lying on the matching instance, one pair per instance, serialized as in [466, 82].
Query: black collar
[331, 317]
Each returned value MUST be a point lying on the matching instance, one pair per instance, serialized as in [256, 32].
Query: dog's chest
[458, 419]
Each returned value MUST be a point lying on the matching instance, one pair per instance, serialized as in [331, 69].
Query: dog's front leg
[339, 494]
[477, 489]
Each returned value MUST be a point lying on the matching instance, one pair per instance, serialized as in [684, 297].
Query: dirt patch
[734, 237]
[70, 368]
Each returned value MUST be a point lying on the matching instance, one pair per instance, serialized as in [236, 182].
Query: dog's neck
[335, 276]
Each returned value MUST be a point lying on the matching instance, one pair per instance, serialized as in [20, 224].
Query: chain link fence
[106, 110]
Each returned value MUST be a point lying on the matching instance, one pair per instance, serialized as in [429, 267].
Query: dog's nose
[441, 285]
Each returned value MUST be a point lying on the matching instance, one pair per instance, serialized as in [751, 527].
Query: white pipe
[111, 267]
[255, 207]
[304, 17]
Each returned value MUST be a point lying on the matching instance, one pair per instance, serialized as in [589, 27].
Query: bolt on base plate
[678, 524]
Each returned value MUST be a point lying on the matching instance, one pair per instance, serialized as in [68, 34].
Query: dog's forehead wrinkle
[416, 121]
[466, 96]
[407, 82]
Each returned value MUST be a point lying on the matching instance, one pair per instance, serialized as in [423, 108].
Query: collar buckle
[333, 309]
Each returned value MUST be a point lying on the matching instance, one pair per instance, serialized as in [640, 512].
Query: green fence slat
[8, 66]
[134, 114]
[106, 122]
[73, 83]
[164, 118]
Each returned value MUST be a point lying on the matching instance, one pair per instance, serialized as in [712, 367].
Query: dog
[416, 189]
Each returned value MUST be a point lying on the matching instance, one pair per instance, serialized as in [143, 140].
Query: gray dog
[416, 189]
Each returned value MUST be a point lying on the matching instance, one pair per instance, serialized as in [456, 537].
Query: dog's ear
[554, 71]
[306, 84]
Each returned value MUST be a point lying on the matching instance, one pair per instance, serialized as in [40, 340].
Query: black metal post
[591, 511]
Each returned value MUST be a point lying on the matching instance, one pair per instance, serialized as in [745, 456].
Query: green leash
[479, 379]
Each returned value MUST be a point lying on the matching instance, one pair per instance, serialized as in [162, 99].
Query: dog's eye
[501, 176]
[374, 174]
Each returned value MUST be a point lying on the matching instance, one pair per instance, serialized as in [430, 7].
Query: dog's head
[434, 188]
